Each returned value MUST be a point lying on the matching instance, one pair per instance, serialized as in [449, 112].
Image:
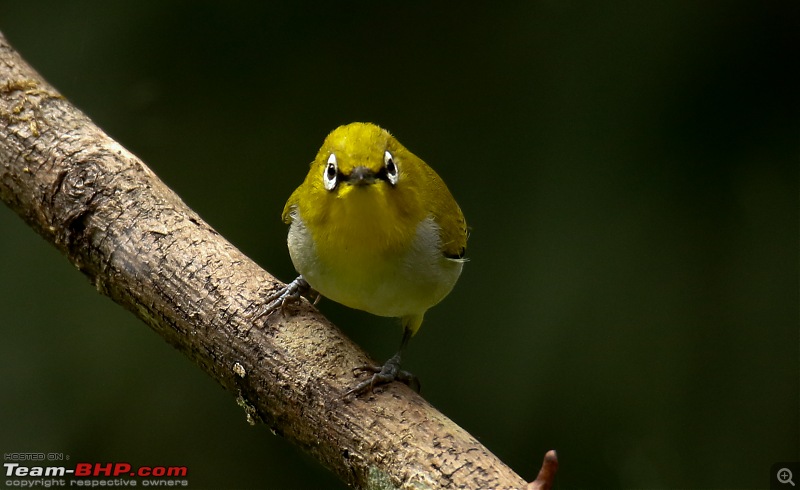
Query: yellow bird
[376, 229]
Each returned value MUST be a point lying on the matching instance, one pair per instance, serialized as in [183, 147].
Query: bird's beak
[361, 176]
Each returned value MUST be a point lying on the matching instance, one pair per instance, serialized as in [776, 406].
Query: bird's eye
[391, 168]
[331, 174]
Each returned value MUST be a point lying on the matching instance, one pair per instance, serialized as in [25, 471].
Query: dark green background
[629, 171]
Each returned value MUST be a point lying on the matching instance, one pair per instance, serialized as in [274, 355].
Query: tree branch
[139, 244]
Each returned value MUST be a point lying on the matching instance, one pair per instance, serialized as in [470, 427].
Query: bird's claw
[387, 373]
[287, 296]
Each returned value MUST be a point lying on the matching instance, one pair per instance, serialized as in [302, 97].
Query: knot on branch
[73, 197]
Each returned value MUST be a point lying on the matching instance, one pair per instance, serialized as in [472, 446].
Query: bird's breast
[373, 264]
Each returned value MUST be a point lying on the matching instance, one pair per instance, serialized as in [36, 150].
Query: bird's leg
[287, 295]
[390, 371]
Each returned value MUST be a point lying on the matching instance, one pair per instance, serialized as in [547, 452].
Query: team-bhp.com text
[94, 475]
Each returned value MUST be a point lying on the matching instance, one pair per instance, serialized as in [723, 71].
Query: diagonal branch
[139, 244]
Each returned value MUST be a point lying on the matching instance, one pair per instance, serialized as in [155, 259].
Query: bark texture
[139, 244]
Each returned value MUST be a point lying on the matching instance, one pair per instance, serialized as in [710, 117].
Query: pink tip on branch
[544, 480]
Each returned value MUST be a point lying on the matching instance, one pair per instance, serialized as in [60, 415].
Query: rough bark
[139, 244]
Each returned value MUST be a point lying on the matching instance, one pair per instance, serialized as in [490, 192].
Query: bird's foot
[288, 296]
[390, 371]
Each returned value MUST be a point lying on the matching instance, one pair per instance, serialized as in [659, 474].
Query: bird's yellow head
[367, 188]
[354, 156]
[364, 183]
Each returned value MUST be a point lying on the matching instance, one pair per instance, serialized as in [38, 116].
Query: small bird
[374, 228]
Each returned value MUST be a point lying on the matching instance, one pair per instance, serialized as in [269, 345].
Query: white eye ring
[330, 174]
[391, 167]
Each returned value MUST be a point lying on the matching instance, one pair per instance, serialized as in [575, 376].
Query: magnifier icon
[785, 476]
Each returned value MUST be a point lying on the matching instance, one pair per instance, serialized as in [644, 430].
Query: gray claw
[286, 296]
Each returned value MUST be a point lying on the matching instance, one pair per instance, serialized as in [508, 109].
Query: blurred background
[629, 173]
